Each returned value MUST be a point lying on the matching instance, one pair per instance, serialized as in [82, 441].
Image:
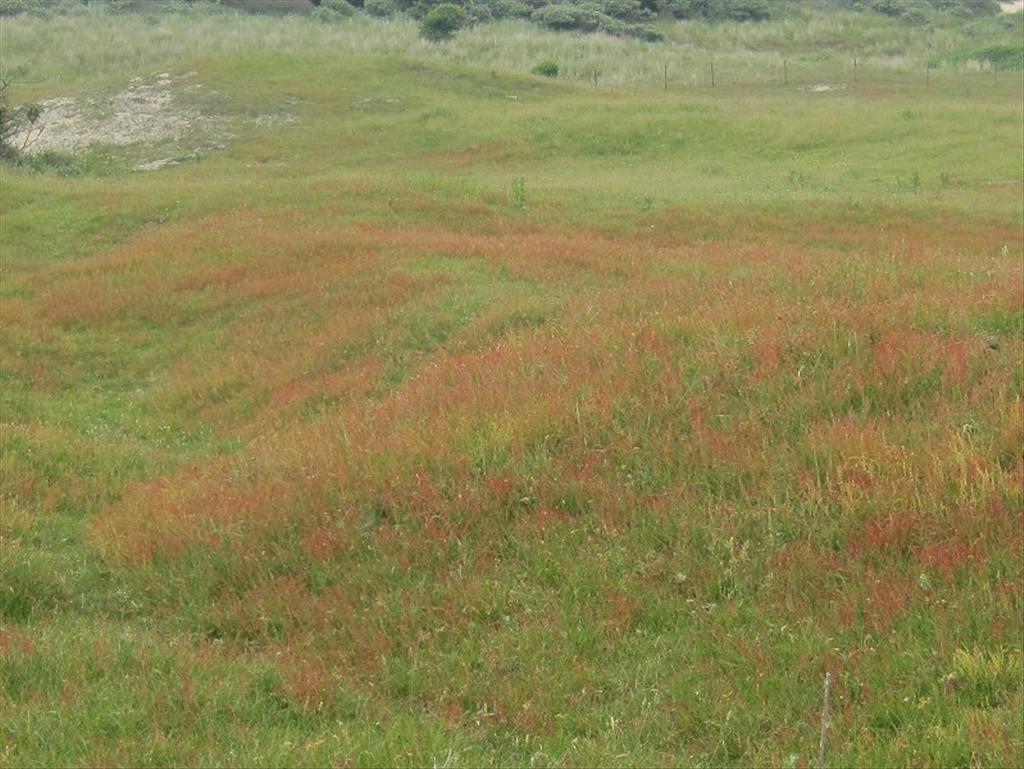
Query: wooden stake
[666, 75]
[826, 710]
[712, 74]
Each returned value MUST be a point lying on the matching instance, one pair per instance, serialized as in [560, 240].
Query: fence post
[826, 711]
[666, 75]
[712, 74]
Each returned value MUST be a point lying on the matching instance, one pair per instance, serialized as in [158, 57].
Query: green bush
[718, 10]
[477, 11]
[14, 119]
[35, 7]
[1002, 57]
[338, 6]
[748, 10]
[547, 68]
[510, 9]
[271, 7]
[964, 8]
[381, 8]
[911, 9]
[60, 163]
[11, 7]
[558, 17]
[588, 18]
[443, 22]
[646, 32]
[625, 10]
[585, 18]
[333, 10]
[897, 8]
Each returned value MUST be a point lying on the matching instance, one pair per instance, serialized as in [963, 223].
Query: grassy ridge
[66, 50]
[344, 446]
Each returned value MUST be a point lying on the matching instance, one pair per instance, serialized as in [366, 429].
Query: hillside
[391, 405]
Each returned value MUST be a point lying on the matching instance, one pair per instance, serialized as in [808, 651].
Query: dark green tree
[443, 21]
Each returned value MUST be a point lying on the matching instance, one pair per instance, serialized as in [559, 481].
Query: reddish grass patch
[14, 641]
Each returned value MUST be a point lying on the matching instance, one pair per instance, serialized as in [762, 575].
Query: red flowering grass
[630, 343]
[467, 457]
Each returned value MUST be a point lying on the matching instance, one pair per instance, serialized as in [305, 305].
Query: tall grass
[95, 44]
[579, 428]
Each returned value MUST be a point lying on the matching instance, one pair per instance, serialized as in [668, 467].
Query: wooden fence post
[826, 715]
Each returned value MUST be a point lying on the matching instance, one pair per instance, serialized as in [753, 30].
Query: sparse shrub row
[443, 21]
[1003, 57]
[13, 120]
[621, 18]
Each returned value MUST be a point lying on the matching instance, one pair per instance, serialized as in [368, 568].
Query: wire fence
[814, 77]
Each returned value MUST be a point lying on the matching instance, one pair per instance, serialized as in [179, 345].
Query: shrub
[14, 119]
[893, 8]
[443, 22]
[585, 18]
[626, 10]
[747, 10]
[34, 7]
[556, 16]
[333, 10]
[910, 9]
[719, 10]
[510, 9]
[646, 32]
[476, 10]
[11, 7]
[1003, 57]
[967, 8]
[60, 163]
[547, 68]
[608, 25]
[338, 6]
[271, 7]
[589, 18]
[380, 8]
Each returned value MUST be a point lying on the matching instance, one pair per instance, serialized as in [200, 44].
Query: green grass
[1002, 57]
[89, 45]
[584, 427]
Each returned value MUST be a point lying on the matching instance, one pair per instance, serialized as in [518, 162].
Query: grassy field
[475, 419]
[71, 50]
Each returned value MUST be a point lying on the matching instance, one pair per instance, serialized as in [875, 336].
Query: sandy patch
[146, 112]
[143, 112]
[821, 87]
